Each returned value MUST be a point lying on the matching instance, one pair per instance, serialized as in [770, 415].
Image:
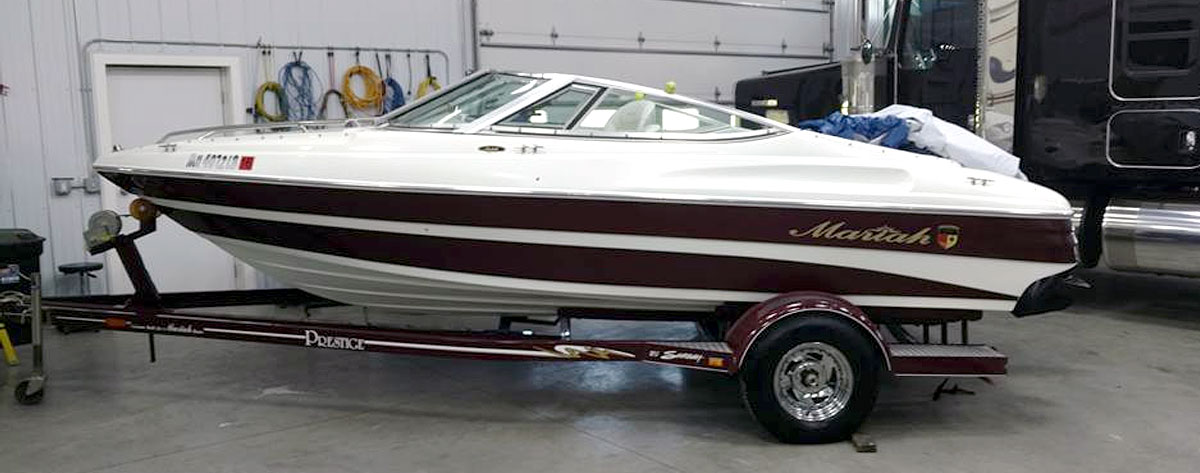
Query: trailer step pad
[947, 360]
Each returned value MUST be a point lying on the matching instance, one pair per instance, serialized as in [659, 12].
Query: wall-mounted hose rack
[87, 48]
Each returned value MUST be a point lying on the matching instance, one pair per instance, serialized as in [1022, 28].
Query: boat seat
[635, 116]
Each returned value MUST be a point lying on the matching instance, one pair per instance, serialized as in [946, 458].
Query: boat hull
[463, 254]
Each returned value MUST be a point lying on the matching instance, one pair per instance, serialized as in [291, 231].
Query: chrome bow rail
[302, 126]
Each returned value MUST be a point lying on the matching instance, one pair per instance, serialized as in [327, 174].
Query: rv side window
[1156, 46]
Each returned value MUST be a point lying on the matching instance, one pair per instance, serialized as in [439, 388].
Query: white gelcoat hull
[434, 292]
[428, 291]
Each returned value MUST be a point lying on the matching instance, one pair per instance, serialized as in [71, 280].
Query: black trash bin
[20, 251]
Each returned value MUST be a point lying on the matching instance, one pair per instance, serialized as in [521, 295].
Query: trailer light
[142, 210]
[115, 323]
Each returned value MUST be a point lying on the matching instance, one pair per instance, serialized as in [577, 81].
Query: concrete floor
[1110, 385]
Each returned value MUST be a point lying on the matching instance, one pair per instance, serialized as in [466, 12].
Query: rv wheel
[811, 379]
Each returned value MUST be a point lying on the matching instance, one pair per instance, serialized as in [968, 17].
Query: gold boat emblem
[947, 236]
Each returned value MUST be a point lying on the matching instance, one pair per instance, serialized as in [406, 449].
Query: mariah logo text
[831, 230]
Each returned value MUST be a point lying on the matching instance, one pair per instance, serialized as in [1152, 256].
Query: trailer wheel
[811, 379]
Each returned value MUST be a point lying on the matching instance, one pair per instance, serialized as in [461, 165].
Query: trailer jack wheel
[25, 397]
[811, 379]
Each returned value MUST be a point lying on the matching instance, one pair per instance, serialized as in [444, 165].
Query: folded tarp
[886, 131]
[917, 129]
[951, 141]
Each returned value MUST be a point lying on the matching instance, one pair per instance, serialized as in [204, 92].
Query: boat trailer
[750, 338]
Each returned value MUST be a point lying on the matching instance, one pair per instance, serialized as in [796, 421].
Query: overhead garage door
[705, 46]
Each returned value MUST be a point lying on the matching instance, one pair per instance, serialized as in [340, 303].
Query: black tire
[26, 398]
[758, 377]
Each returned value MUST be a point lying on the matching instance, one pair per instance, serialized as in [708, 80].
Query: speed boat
[516, 193]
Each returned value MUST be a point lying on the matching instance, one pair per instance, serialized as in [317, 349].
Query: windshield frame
[553, 83]
[390, 119]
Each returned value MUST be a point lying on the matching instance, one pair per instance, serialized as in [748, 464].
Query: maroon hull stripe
[1030, 239]
[573, 264]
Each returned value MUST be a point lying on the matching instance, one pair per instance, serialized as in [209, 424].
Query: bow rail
[254, 128]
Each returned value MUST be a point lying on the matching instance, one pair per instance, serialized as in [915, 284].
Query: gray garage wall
[42, 130]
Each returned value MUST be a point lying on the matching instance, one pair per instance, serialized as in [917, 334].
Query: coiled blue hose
[299, 80]
[393, 95]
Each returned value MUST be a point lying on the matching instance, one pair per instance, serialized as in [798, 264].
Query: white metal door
[145, 102]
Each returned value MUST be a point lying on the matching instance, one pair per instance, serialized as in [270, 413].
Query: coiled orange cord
[372, 86]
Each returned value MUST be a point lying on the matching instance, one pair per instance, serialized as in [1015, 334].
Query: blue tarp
[891, 132]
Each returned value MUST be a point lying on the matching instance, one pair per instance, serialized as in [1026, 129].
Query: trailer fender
[759, 319]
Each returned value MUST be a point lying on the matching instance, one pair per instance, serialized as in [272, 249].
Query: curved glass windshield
[467, 102]
[624, 111]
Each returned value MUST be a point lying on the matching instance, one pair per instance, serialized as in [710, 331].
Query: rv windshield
[879, 18]
[467, 102]
[933, 30]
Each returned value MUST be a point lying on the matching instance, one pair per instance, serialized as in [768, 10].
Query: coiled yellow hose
[430, 84]
[260, 108]
[372, 86]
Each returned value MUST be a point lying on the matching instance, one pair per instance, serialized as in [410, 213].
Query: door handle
[1188, 142]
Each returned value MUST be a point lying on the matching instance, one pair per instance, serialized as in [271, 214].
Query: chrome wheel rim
[813, 381]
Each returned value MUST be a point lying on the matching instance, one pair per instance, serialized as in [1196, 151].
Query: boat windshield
[467, 102]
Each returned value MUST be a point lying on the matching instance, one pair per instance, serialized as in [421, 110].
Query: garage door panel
[679, 40]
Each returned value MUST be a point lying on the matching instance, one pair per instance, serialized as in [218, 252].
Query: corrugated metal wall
[42, 129]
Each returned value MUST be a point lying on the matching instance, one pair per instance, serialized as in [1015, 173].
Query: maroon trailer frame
[176, 315]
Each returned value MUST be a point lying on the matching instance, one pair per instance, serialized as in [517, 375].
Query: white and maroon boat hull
[475, 255]
[484, 219]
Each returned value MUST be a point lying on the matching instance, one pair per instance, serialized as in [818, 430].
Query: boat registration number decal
[220, 161]
[945, 236]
